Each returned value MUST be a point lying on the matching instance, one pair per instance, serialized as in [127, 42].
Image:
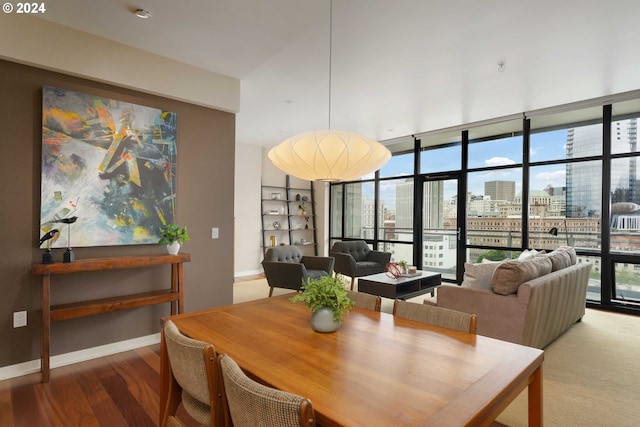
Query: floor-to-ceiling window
[624, 226]
[550, 178]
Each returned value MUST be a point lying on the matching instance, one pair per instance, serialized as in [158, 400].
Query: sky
[543, 146]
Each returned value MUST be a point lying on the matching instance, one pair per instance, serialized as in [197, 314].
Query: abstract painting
[108, 170]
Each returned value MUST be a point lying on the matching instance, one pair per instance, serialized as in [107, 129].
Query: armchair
[286, 267]
[356, 259]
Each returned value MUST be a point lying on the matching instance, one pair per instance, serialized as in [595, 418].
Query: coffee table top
[390, 280]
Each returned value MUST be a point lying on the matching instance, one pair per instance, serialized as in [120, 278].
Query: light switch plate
[19, 319]
[214, 233]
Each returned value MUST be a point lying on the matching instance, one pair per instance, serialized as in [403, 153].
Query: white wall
[247, 194]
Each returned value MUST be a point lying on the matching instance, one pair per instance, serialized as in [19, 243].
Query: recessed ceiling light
[141, 13]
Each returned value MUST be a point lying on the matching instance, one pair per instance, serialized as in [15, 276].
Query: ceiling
[397, 67]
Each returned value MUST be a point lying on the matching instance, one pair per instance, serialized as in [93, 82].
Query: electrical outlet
[19, 319]
[214, 233]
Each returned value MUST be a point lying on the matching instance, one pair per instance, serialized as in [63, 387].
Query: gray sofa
[529, 302]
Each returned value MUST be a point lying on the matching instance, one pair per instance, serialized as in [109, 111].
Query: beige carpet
[591, 374]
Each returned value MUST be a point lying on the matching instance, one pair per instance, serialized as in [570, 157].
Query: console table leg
[181, 288]
[45, 332]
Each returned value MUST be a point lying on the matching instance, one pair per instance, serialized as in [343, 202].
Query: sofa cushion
[511, 274]
[479, 275]
[562, 257]
[559, 260]
[572, 253]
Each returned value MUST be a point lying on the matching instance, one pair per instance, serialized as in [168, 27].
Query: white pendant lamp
[329, 155]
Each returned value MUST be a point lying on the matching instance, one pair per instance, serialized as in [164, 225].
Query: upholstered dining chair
[246, 402]
[194, 379]
[365, 301]
[286, 267]
[355, 258]
[434, 315]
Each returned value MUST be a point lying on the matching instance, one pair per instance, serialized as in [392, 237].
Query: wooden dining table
[376, 370]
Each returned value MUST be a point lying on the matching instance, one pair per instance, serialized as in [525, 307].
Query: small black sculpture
[68, 256]
[48, 236]
[47, 257]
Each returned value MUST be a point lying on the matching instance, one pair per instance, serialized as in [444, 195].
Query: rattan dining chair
[194, 379]
[434, 315]
[246, 402]
[365, 301]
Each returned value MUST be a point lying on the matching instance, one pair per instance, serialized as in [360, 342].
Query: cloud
[499, 161]
[555, 178]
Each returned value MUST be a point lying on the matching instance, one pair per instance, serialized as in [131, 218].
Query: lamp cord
[330, 55]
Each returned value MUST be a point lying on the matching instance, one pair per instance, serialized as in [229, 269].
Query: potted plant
[173, 236]
[303, 208]
[403, 266]
[328, 301]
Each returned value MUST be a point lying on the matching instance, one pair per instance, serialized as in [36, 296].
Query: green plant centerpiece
[328, 301]
[403, 266]
[173, 236]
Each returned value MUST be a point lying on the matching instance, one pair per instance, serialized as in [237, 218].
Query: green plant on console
[173, 233]
[327, 291]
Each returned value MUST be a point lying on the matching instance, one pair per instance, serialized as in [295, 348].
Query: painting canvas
[108, 170]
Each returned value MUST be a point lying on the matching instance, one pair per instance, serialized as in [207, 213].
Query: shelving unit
[282, 219]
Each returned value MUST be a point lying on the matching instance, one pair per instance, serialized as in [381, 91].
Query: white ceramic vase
[173, 248]
[322, 321]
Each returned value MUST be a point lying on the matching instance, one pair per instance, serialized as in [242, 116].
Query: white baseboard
[32, 366]
[247, 273]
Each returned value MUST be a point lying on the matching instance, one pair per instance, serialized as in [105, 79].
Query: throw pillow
[479, 275]
[525, 255]
[511, 274]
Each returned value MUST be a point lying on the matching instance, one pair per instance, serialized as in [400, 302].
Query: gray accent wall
[205, 199]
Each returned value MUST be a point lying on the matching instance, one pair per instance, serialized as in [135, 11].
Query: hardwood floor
[117, 390]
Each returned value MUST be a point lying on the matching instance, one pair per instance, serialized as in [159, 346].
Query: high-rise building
[500, 190]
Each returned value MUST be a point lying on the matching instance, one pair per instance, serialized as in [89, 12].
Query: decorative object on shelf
[68, 256]
[47, 257]
[329, 155]
[554, 231]
[327, 300]
[303, 208]
[272, 240]
[298, 197]
[275, 196]
[306, 225]
[173, 236]
[304, 199]
[276, 225]
[393, 270]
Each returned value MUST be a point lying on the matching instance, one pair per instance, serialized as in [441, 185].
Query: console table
[105, 305]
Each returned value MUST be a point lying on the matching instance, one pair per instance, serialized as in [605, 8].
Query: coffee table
[406, 286]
